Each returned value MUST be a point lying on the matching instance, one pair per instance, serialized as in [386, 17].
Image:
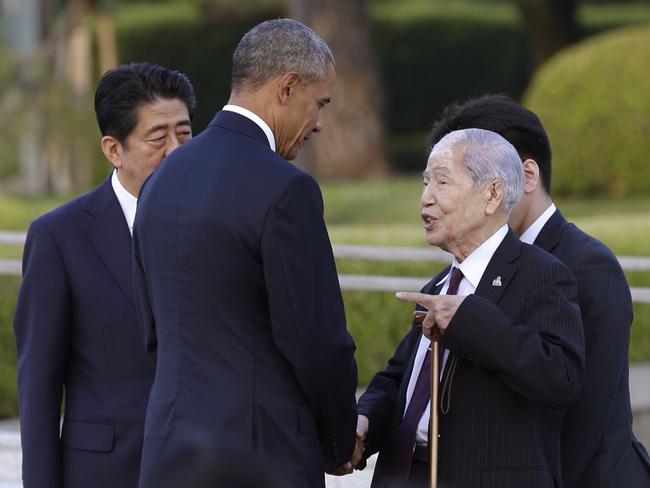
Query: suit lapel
[500, 269]
[109, 235]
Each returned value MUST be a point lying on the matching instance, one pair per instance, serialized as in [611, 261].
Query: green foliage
[8, 394]
[371, 213]
[593, 100]
[430, 53]
[34, 105]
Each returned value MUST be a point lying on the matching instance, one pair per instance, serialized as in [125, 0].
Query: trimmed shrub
[594, 100]
[430, 54]
[8, 393]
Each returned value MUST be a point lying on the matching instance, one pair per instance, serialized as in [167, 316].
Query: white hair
[488, 156]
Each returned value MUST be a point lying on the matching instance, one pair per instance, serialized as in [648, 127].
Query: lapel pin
[497, 281]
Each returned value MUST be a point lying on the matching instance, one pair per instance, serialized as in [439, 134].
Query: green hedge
[594, 100]
[8, 395]
[430, 53]
[377, 321]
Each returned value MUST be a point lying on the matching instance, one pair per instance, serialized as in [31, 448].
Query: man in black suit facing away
[510, 330]
[237, 287]
[76, 328]
[599, 449]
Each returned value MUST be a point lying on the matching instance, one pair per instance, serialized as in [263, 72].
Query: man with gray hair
[506, 315]
[237, 288]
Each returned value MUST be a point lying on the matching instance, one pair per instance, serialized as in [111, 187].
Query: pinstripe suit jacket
[521, 359]
[599, 449]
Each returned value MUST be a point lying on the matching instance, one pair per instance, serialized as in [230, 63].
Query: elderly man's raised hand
[441, 309]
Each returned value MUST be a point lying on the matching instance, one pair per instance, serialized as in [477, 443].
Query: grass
[372, 213]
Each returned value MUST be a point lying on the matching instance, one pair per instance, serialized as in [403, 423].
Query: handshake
[357, 461]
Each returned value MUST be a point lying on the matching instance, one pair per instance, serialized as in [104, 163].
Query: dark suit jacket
[76, 330]
[240, 302]
[598, 446]
[520, 350]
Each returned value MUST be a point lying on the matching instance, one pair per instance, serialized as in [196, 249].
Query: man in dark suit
[510, 329]
[598, 446]
[76, 329]
[238, 290]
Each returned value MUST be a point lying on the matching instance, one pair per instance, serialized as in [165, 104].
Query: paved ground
[10, 462]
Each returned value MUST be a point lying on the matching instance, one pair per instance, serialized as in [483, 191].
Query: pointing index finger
[419, 298]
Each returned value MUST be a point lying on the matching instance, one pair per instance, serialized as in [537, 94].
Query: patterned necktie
[400, 463]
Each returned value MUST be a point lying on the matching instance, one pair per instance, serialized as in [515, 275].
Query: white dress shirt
[255, 118]
[533, 231]
[472, 268]
[127, 201]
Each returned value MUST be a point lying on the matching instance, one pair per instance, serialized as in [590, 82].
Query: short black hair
[121, 91]
[500, 114]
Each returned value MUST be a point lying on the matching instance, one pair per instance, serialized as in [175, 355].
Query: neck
[468, 244]
[256, 101]
[540, 201]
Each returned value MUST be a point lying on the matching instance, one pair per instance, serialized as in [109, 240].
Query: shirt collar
[255, 118]
[474, 265]
[533, 231]
[127, 201]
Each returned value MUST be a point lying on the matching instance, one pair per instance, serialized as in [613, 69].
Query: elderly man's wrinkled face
[453, 207]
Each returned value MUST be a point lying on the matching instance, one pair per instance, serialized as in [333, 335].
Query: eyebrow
[184, 122]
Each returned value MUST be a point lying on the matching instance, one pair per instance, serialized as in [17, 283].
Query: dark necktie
[400, 462]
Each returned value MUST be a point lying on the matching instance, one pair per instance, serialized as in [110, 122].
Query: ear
[112, 149]
[287, 84]
[494, 196]
[531, 175]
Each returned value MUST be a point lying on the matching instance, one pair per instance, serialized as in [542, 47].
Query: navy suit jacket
[240, 303]
[520, 357]
[76, 331]
[598, 447]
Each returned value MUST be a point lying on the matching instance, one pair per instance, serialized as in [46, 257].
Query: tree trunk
[551, 26]
[352, 143]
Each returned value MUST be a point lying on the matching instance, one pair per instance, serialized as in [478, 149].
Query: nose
[319, 125]
[172, 145]
[427, 199]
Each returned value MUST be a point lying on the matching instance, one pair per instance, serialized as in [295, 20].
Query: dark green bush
[430, 54]
[594, 100]
[8, 394]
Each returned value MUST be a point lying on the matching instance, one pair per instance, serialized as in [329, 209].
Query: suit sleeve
[542, 356]
[606, 307]
[307, 315]
[43, 329]
[378, 401]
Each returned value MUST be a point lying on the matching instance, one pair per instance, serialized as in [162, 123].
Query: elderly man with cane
[512, 345]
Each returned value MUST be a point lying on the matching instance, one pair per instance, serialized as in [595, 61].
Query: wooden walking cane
[418, 318]
[433, 425]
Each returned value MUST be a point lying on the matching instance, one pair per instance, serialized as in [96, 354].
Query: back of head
[279, 46]
[122, 90]
[500, 114]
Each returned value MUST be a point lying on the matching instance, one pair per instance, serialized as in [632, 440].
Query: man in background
[237, 286]
[598, 446]
[76, 330]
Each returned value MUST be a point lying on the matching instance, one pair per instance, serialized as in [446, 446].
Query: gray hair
[279, 46]
[488, 156]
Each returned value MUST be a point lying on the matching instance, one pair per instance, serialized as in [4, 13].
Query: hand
[358, 461]
[441, 309]
[359, 448]
[346, 468]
